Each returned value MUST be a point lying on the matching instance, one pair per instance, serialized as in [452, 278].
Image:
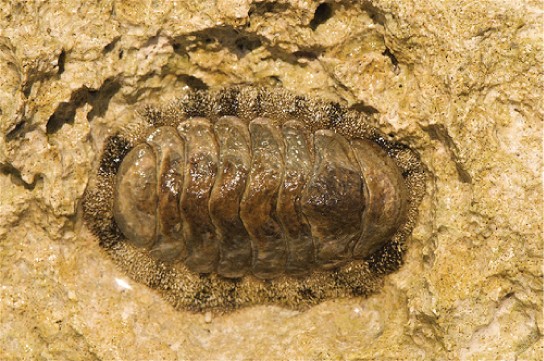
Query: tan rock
[461, 81]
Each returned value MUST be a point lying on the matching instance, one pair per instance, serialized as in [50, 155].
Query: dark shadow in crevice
[375, 14]
[66, 111]
[267, 7]
[61, 61]
[111, 45]
[16, 178]
[237, 41]
[36, 75]
[440, 133]
[391, 57]
[18, 129]
[364, 108]
[245, 45]
[98, 98]
[27, 88]
[274, 80]
[305, 54]
[193, 82]
[240, 42]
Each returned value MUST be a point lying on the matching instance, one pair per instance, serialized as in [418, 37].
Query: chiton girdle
[248, 195]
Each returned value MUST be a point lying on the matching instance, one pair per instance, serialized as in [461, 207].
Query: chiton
[248, 195]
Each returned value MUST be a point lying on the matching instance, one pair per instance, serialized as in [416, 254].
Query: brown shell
[235, 191]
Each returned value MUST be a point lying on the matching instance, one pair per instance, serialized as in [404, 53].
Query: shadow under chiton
[246, 195]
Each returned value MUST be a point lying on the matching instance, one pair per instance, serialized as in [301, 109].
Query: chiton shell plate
[248, 195]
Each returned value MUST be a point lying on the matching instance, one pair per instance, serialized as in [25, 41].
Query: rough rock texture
[460, 81]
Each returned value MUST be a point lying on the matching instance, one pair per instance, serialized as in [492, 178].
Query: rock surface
[461, 81]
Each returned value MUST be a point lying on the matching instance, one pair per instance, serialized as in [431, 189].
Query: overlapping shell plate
[247, 195]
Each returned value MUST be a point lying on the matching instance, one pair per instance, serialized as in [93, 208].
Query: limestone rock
[461, 81]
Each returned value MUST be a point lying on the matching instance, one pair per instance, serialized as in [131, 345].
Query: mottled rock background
[461, 81]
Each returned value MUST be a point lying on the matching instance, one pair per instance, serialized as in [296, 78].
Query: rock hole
[391, 57]
[321, 15]
[176, 46]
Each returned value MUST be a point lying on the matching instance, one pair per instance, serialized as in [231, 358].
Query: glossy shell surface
[265, 195]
